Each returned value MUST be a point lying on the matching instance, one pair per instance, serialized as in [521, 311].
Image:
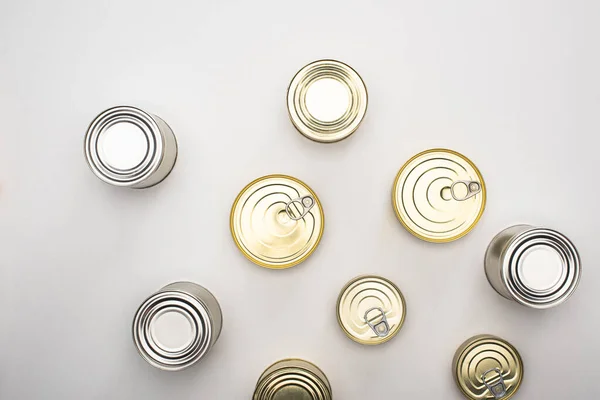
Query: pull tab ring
[382, 328]
[498, 389]
[473, 188]
[306, 202]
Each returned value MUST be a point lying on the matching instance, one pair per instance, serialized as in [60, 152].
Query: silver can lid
[124, 146]
[541, 268]
[172, 330]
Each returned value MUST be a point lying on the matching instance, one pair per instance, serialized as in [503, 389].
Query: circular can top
[487, 367]
[370, 310]
[172, 330]
[123, 146]
[439, 195]
[541, 268]
[327, 101]
[293, 379]
[277, 221]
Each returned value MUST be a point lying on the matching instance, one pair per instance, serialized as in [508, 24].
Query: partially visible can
[371, 309]
[487, 367]
[125, 146]
[327, 101]
[536, 267]
[293, 379]
[177, 326]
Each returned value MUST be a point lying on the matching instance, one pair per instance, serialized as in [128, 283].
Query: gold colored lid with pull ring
[370, 310]
[439, 195]
[486, 367]
[277, 221]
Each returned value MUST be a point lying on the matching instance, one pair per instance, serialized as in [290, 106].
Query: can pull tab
[381, 328]
[306, 203]
[467, 189]
[497, 389]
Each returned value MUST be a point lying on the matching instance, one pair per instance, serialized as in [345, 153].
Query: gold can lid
[439, 195]
[371, 309]
[327, 101]
[293, 379]
[487, 367]
[277, 221]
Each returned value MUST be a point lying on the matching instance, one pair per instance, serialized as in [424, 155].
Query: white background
[512, 84]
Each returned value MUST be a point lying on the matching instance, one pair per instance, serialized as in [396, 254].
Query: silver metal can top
[124, 146]
[172, 330]
[541, 268]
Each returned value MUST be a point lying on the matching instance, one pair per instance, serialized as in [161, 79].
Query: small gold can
[327, 101]
[277, 221]
[292, 379]
[487, 367]
[439, 195]
[371, 309]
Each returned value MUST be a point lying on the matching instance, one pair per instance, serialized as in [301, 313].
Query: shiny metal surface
[439, 195]
[177, 326]
[125, 146]
[327, 101]
[370, 309]
[487, 367]
[263, 229]
[536, 267]
[293, 379]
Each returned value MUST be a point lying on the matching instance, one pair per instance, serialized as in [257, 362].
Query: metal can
[439, 195]
[371, 309]
[125, 146]
[536, 267]
[177, 326]
[277, 221]
[487, 367]
[327, 101]
[292, 379]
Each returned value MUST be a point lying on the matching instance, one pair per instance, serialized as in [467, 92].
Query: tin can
[292, 379]
[125, 146]
[177, 326]
[371, 310]
[327, 101]
[487, 367]
[277, 221]
[439, 195]
[536, 267]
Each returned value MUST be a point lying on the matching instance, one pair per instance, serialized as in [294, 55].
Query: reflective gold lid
[371, 310]
[439, 195]
[293, 379]
[487, 367]
[277, 221]
[327, 101]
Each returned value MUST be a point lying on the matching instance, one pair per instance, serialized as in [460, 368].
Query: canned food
[371, 310]
[327, 101]
[439, 195]
[292, 379]
[536, 267]
[277, 221]
[125, 146]
[177, 326]
[487, 367]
